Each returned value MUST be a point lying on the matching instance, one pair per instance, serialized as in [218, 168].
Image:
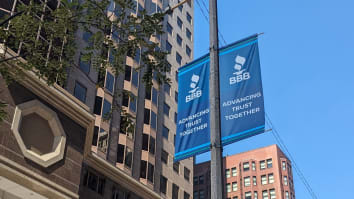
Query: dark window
[143, 165]
[95, 136]
[98, 105]
[269, 163]
[195, 180]
[169, 28]
[128, 157]
[120, 153]
[150, 176]
[176, 76]
[147, 116]
[175, 190]
[148, 94]
[109, 82]
[168, 47]
[180, 7]
[153, 120]
[128, 72]
[176, 96]
[188, 51]
[201, 193]
[132, 105]
[188, 34]
[166, 109]
[179, 22]
[154, 96]
[93, 182]
[135, 78]
[179, 40]
[84, 65]
[201, 179]
[186, 195]
[165, 132]
[175, 118]
[178, 58]
[196, 194]
[106, 108]
[186, 173]
[86, 36]
[125, 100]
[80, 92]
[145, 145]
[152, 145]
[164, 156]
[189, 18]
[163, 184]
[176, 167]
[137, 55]
[167, 88]
[168, 67]
[101, 183]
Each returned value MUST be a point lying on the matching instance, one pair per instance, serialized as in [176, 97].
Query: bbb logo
[196, 92]
[239, 75]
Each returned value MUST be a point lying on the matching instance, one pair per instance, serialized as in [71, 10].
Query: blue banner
[241, 99]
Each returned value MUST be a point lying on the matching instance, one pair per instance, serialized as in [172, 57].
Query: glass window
[143, 165]
[125, 100]
[228, 187]
[234, 186]
[195, 180]
[270, 178]
[120, 153]
[179, 40]
[132, 105]
[201, 179]
[201, 194]
[179, 22]
[176, 96]
[175, 190]
[135, 78]
[106, 108]
[164, 156]
[253, 166]
[95, 136]
[178, 58]
[154, 96]
[169, 28]
[189, 18]
[109, 82]
[128, 157]
[163, 184]
[254, 180]
[98, 105]
[176, 167]
[262, 164]
[227, 173]
[167, 88]
[285, 180]
[165, 132]
[146, 116]
[166, 109]
[151, 169]
[80, 92]
[247, 181]
[153, 120]
[188, 51]
[196, 194]
[283, 165]
[152, 145]
[269, 163]
[272, 193]
[145, 145]
[264, 179]
[234, 171]
[265, 194]
[186, 173]
[188, 34]
[286, 195]
[186, 195]
[84, 66]
[248, 195]
[255, 195]
[168, 47]
[246, 166]
[128, 73]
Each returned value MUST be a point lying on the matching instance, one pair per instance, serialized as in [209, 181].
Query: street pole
[216, 163]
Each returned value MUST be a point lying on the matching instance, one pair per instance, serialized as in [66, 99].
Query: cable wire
[285, 149]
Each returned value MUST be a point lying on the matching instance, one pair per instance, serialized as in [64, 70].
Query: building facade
[99, 158]
[263, 173]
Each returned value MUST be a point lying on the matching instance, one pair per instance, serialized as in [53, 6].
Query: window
[186, 195]
[269, 163]
[270, 178]
[176, 96]
[188, 51]
[154, 96]
[135, 78]
[201, 194]
[146, 116]
[227, 173]
[94, 182]
[145, 145]
[255, 195]
[262, 164]
[235, 197]
[195, 180]
[286, 195]
[179, 40]
[168, 47]
[98, 105]
[196, 194]
[248, 195]
[164, 156]
[189, 18]
[178, 58]
[265, 194]
[228, 187]
[254, 180]
[163, 184]
[132, 105]
[264, 179]
[234, 186]
[188, 34]
[86, 36]
[152, 145]
[95, 135]
[120, 153]
[272, 193]
[175, 190]
[165, 132]
[106, 108]
[84, 65]
[247, 181]
[128, 157]
[283, 165]
[179, 22]
[167, 88]
[169, 28]
[109, 82]
[150, 176]
[125, 100]
[153, 120]
[285, 180]
[246, 166]
[175, 118]
[234, 171]
[80, 92]
[128, 73]
[166, 109]
[201, 179]
[186, 173]
[180, 7]
[253, 166]
[143, 165]
[176, 167]
[176, 76]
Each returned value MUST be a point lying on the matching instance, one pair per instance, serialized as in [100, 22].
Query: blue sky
[307, 65]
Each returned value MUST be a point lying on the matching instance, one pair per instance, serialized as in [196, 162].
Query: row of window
[176, 165]
[265, 195]
[175, 188]
[246, 167]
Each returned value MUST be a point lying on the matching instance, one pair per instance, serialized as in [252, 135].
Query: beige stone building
[55, 144]
[263, 173]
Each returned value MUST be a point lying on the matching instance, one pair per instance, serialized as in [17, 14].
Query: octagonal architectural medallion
[39, 133]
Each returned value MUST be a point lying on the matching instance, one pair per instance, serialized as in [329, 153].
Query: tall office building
[89, 157]
[263, 173]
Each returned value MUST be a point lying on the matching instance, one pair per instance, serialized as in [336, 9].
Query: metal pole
[216, 163]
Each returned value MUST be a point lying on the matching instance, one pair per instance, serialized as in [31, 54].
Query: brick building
[263, 173]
